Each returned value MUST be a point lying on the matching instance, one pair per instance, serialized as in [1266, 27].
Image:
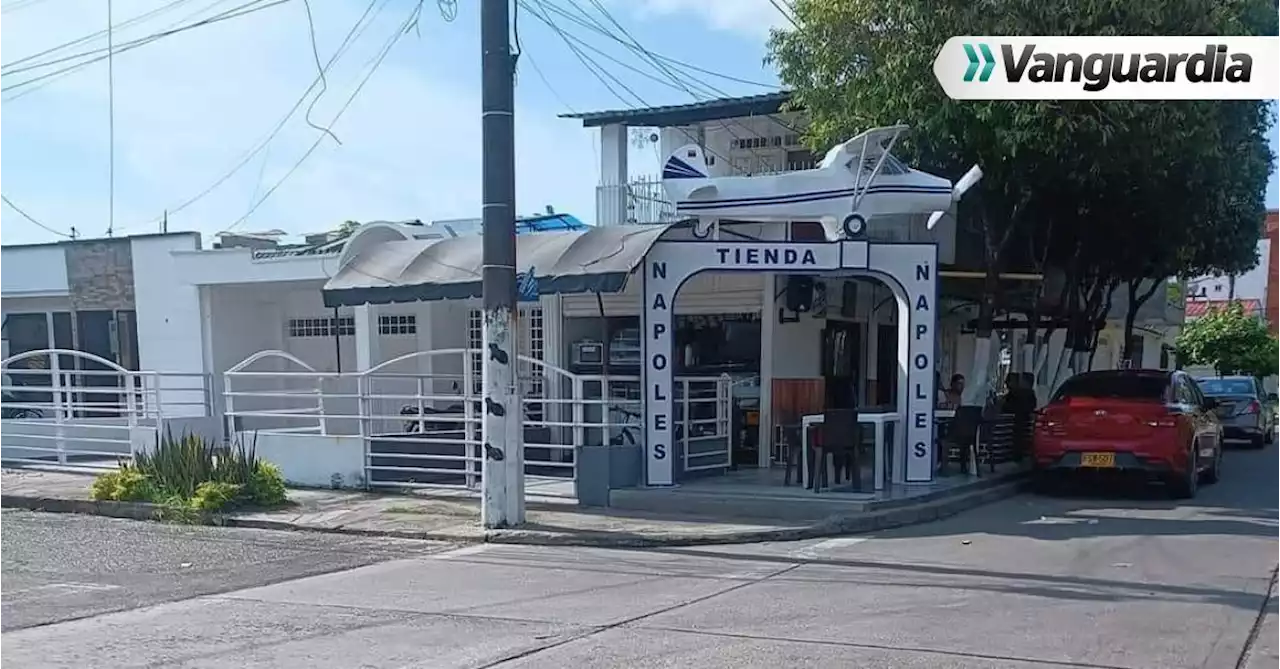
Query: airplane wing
[868, 145]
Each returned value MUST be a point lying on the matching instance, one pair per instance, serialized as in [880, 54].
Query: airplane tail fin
[687, 162]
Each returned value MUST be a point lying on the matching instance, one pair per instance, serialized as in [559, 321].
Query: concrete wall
[100, 273]
[168, 316]
[311, 460]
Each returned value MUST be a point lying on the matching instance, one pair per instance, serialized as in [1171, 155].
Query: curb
[836, 525]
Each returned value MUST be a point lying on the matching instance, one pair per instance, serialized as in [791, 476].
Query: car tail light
[1163, 421]
[1251, 407]
[1049, 424]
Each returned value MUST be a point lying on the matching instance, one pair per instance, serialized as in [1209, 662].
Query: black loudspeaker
[799, 295]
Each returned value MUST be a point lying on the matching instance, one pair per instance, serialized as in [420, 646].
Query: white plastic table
[878, 420]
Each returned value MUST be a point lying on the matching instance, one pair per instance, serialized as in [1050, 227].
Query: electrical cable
[324, 83]
[89, 38]
[356, 31]
[42, 226]
[779, 5]
[585, 60]
[55, 76]
[448, 9]
[111, 125]
[667, 59]
[404, 28]
[640, 48]
[19, 4]
[591, 66]
[242, 10]
[634, 44]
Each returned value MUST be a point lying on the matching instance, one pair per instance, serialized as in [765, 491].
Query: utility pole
[502, 434]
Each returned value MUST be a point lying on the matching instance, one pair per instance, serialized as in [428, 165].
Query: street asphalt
[1086, 581]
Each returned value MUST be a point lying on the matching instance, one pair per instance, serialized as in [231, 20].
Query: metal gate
[422, 425]
[75, 410]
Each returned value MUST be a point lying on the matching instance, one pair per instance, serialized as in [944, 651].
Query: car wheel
[1259, 441]
[1187, 484]
[1214, 473]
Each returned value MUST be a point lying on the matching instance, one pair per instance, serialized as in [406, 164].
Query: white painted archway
[910, 271]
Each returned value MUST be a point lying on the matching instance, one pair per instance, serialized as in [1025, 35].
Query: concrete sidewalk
[455, 518]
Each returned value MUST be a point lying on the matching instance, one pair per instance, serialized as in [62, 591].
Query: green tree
[1113, 181]
[1231, 342]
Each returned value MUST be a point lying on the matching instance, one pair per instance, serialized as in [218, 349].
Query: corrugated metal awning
[585, 261]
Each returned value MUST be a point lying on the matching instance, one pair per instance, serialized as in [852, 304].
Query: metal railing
[420, 420]
[77, 410]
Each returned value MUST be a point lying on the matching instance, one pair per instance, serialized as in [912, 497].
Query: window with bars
[532, 334]
[398, 324]
[475, 342]
[344, 326]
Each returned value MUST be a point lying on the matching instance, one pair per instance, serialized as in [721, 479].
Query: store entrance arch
[909, 270]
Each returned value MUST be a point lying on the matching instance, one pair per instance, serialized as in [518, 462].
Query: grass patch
[191, 477]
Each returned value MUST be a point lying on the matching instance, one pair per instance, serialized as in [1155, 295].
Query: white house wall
[168, 321]
[34, 271]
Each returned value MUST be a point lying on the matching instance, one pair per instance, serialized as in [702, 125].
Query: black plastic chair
[840, 439]
[961, 438]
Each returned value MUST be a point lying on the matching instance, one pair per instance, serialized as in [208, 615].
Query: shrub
[215, 495]
[128, 484]
[192, 475]
[266, 486]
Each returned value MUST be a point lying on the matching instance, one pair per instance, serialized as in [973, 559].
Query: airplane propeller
[966, 182]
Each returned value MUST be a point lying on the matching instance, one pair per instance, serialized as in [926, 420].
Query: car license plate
[1098, 460]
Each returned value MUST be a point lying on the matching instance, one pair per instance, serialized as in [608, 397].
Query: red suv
[1152, 423]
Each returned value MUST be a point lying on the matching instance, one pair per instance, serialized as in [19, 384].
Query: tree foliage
[1231, 342]
[1112, 192]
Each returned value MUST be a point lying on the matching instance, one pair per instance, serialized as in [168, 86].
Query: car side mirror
[1210, 403]
[1271, 397]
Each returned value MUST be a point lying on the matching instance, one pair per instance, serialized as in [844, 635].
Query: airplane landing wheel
[855, 226]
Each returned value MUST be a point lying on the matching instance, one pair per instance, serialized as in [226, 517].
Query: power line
[591, 66]
[635, 46]
[377, 61]
[38, 224]
[682, 83]
[55, 76]
[552, 8]
[89, 38]
[781, 6]
[357, 30]
[19, 4]
[448, 9]
[242, 10]
[111, 126]
[324, 84]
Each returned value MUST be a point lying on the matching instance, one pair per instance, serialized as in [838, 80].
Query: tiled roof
[1197, 308]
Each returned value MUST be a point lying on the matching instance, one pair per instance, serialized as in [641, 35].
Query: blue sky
[190, 107]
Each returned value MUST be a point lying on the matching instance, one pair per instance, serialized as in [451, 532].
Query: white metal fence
[419, 418]
[77, 410]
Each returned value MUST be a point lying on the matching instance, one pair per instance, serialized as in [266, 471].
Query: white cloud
[752, 18]
[189, 106]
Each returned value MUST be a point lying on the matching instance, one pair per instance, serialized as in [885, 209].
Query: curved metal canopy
[594, 260]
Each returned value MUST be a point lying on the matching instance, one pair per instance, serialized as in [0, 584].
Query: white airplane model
[855, 181]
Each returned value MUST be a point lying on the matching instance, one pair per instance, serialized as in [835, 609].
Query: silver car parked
[1245, 409]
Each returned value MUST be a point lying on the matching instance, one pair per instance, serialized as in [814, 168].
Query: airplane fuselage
[812, 195]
